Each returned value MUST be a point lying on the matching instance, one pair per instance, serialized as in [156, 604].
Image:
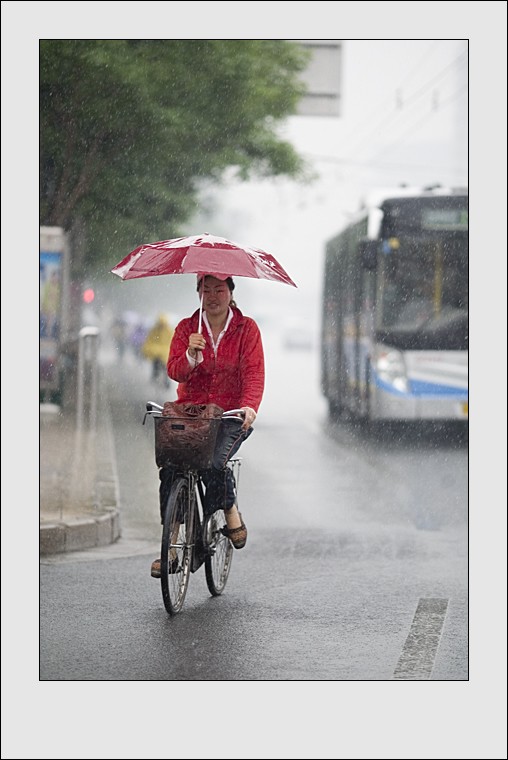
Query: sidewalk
[79, 504]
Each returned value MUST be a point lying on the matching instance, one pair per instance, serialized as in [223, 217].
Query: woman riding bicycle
[224, 365]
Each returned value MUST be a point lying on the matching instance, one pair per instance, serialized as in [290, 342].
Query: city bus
[394, 333]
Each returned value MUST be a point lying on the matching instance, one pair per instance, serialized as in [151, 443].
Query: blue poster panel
[50, 311]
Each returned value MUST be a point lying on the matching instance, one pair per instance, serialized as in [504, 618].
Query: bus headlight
[390, 368]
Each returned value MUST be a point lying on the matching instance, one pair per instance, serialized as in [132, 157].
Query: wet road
[355, 566]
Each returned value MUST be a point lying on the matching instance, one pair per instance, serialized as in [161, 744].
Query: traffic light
[88, 295]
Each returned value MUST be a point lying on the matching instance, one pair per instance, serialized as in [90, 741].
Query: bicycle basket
[185, 435]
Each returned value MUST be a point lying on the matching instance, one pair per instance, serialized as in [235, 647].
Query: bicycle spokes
[177, 546]
[219, 553]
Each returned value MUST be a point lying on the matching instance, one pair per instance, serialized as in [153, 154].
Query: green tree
[130, 128]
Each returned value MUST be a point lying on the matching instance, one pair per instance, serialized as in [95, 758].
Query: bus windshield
[422, 292]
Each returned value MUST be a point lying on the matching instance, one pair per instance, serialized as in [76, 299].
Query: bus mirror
[367, 249]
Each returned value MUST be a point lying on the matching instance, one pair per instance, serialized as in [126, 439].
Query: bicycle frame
[203, 547]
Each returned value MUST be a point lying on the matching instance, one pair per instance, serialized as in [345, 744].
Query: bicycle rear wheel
[219, 553]
[177, 545]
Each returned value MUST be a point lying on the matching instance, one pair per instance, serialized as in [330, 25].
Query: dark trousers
[219, 480]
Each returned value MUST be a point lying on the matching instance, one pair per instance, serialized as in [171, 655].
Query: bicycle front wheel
[177, 545]
[219, 553]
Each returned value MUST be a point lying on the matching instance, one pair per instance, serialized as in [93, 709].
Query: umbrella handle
[200, 312]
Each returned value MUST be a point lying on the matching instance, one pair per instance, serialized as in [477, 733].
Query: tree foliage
[129, 129]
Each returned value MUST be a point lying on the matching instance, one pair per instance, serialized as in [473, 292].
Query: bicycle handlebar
[234, 413]
[151, 406]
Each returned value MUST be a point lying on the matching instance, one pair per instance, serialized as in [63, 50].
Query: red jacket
[232, 379]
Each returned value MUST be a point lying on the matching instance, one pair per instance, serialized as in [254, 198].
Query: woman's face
[216, 296]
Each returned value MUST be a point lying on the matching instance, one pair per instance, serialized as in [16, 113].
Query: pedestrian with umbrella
[216, 355]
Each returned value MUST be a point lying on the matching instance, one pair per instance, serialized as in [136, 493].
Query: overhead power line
[411, 130]
[394, 118]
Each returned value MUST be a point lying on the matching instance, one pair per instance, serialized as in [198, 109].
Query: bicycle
[191, 538]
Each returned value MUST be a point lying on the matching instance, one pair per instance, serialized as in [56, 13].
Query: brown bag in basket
[185, 435]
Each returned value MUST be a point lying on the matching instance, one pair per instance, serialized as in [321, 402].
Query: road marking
[419, 652]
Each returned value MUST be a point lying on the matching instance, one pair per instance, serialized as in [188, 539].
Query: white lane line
[419, 651]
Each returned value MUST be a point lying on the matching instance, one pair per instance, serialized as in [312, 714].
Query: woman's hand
[196, 344]
[250, 416]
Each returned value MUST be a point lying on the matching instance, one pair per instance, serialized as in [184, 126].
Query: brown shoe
[237, 536]
[155, 571]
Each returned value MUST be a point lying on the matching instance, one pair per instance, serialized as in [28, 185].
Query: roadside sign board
[53, 263]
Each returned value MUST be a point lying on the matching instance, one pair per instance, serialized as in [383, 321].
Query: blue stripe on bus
[420, 388]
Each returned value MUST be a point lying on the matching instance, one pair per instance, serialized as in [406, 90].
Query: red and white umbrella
[201, 255]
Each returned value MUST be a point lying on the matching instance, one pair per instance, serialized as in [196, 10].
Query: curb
[100, 524]
[80, 533]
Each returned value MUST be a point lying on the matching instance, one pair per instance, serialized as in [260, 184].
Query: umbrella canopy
[200, 254]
